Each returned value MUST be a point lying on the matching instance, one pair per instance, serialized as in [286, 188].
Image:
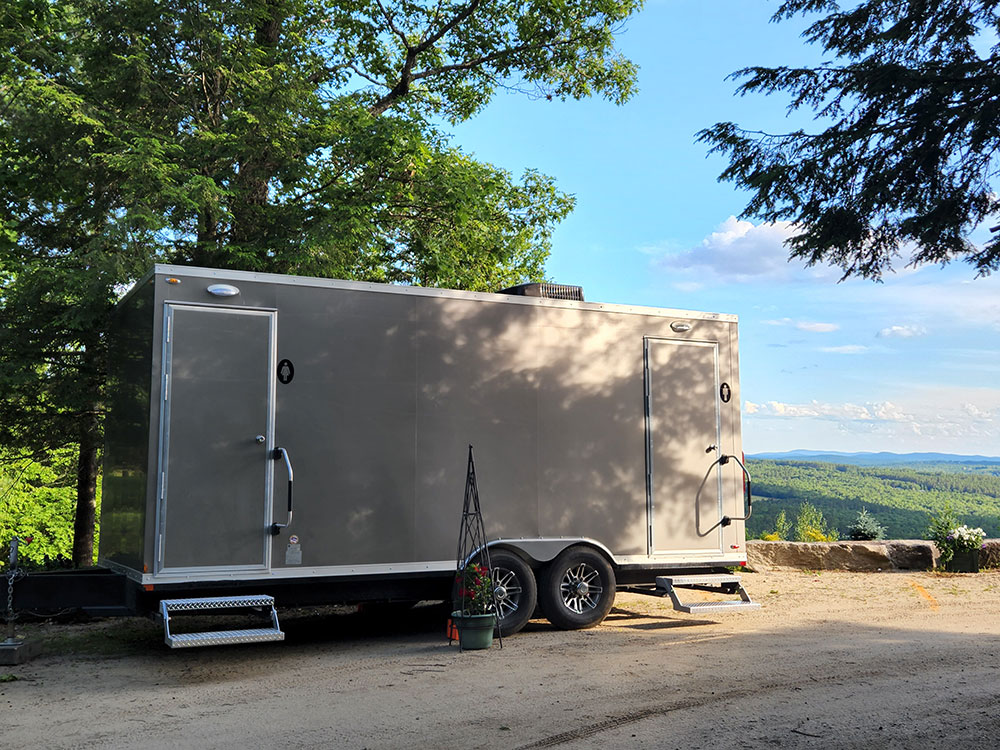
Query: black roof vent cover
[550, 291]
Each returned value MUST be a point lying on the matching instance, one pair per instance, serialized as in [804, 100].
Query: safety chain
[14, 574]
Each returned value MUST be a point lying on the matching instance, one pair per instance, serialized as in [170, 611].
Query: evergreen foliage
[941, 525]
[865, 527]
[906, 152]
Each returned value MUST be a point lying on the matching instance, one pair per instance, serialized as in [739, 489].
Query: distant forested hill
[885, 458]
[900, 496]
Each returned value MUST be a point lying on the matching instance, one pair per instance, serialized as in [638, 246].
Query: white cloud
[847, 349]
[741, 251]
[888, 411]
[689, 286]
[820, 410]
[977, 413]
[938, 419]
[903, 332]
[804, 325]
[817, 327]
[936, 295]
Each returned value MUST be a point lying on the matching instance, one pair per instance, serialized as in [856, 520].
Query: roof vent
[550, 291]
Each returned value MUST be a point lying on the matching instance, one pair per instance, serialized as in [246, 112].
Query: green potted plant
[959, 544]
[964, 544]
[474, 618]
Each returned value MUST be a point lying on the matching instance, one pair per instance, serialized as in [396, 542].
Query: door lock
[260, 438]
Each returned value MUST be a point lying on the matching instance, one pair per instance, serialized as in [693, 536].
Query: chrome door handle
[277, 454]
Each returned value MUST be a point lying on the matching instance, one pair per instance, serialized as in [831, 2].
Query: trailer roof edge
[422, 291]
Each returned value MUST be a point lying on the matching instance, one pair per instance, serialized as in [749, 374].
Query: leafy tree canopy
[907, 163]
[289, 136]
[292, 135]
[37, 502]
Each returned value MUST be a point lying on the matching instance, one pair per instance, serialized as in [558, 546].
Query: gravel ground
[841, 660]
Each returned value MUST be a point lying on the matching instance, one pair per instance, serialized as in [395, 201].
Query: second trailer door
[682, 442]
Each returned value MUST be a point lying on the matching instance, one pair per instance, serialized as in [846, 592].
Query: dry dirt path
[833, 660]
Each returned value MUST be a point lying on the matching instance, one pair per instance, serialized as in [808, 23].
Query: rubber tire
[508, 562]
[550, 593]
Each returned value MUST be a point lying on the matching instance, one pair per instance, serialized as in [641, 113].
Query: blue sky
[908, 365]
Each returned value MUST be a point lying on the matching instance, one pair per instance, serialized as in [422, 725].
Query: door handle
[278, 454]
[747, 496]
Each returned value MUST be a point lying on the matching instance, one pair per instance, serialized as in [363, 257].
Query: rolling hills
[901, 491]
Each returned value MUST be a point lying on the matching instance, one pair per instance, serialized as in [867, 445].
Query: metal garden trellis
[472, 547]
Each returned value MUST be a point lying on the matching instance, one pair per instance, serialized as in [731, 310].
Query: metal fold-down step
[265, 604]
[724, 583]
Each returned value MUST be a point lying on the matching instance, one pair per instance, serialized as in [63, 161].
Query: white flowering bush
[951, 536]
[963, 539]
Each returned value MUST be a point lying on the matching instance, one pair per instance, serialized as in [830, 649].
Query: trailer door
[216, 428]
[684, 490]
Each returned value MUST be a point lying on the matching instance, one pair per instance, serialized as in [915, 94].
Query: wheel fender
[537, 552]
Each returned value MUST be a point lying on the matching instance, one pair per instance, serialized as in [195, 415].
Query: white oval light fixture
[680, 326]
[223, 290]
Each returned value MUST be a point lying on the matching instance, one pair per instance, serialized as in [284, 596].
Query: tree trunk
[206, 247]
[256, 169]
[86, 492]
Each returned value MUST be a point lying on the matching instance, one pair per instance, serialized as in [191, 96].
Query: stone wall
[990, 556]
[898, 554]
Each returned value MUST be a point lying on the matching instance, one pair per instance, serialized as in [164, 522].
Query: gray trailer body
[592, 424]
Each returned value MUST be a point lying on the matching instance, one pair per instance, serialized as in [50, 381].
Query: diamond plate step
[723, 606]
[222, 637]
[219, 637]
[669, 585]
[699, 579]
[216, 602]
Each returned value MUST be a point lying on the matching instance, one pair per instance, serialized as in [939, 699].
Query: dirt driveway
[842, 660]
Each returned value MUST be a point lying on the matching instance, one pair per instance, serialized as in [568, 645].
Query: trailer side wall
[377, 394]
[127, 431]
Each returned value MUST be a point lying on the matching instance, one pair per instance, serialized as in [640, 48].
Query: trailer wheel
[577, 589]
[515, 589]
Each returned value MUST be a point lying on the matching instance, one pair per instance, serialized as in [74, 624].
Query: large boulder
[904, 554]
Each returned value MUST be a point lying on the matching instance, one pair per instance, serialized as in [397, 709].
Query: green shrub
[810, 526]
[939, 527]
[782, 528]
[865, 527]
[951, 535]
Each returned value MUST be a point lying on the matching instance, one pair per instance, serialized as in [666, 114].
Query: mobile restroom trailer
[306, 439]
